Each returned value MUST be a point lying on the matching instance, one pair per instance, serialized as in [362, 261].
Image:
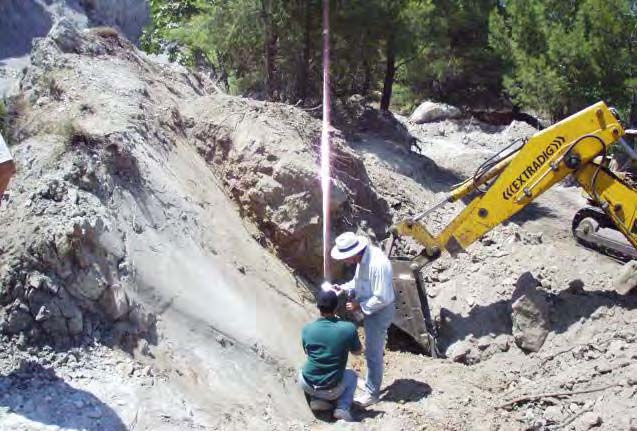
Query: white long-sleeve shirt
[5, 155]
[373, 282]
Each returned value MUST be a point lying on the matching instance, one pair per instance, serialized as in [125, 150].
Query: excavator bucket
[412, 315]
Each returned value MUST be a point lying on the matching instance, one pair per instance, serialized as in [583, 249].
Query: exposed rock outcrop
[267, 157]
[98, 124]
[429, 112]
[530, 315]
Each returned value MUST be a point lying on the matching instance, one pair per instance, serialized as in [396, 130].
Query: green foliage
[166, 17]
[272, 48]
[551, 56]
[561, 56]
[457, 64]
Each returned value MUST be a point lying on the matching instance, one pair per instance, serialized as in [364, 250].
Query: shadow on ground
[400, 159]
[400, 341]
[567, 308]
[399, 391]
[39, 395]
[531, 212]
[405, 391]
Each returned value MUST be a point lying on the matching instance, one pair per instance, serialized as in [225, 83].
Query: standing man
[373, 295]
[7, 167]
[327, 343]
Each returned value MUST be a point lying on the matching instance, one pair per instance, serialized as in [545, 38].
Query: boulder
[66, 36]
[459, 351]
[269, 163]
[16, 318]
[115, 302]
[553, 414]
[530, 314]
[627, 278]
[429, 112]
[588, 420]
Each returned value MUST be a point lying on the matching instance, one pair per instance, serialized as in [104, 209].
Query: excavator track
[586, 227]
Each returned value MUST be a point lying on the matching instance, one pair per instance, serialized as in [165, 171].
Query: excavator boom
[504, 186]
[547, 158]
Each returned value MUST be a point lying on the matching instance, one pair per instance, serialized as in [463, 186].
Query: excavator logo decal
[532, 168]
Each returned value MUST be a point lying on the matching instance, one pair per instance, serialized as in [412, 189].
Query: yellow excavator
[508, 182]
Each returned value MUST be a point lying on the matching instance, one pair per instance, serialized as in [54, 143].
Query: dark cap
[327, 300]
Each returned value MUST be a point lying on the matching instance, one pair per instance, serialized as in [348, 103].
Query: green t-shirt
[327, 342]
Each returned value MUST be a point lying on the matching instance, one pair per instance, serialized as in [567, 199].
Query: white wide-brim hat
[348, 244]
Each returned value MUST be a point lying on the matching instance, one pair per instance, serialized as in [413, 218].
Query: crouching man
[327, 343]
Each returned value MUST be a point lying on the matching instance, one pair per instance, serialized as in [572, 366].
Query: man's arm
[345, 287]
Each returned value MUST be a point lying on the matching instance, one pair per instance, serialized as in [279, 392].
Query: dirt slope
[147, 214]
[115, 221]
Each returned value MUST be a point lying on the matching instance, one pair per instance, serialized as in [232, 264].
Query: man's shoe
[361, 384]
[365, 400]
[319, 405]
[344, 415]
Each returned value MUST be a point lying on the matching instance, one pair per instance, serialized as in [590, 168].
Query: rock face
[530, 314]
[129, 16]
[429, 112]
[627, 278]
[131, 177]
[21, 21]
[267, 157]
[99, 123]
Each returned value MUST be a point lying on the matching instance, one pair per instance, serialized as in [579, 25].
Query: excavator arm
[502, 187]
[517, 179]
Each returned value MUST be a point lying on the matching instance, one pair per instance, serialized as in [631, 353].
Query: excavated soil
[160, 241]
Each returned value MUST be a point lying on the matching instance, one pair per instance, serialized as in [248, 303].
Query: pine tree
[563, 56]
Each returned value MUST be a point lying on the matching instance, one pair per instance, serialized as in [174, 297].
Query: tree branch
[553, 394]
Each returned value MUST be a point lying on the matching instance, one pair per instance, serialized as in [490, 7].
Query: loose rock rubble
[123, 230]
[626, 281]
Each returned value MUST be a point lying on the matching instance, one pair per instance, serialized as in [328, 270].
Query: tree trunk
[223, 71]
[390, 74]
[367, 82]
[307, 51]
[270, 47]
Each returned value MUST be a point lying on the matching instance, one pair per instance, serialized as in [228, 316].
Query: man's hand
[338, 289]
[352, 306]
